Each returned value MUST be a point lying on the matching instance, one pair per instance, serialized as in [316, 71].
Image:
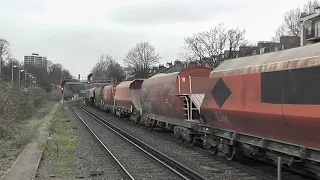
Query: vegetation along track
[136, 159]
[242, 168]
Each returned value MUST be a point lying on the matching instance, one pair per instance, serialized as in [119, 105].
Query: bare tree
[116, 71]
[107, 67]
[141, 58]
[195, 47]
[291, 20]
[208, 46]
[100, 69]
[279, 32]
[235, 40]
[4, 52]
[309, 8]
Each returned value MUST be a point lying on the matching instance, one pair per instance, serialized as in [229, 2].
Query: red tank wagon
[169, 99]
[97, 96]
[90, 96]
[127, 98]
[108, 94]
[267, 105]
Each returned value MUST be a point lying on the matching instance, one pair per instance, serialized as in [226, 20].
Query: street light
[52, 90]
[35, 82]
[30, 79]
[12, 66]
[20, 71]
[25, 78]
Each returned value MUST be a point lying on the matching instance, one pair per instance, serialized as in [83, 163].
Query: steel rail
[129, 176]
[178, 168]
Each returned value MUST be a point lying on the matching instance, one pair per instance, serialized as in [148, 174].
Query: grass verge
[20, 134]
[59, 150]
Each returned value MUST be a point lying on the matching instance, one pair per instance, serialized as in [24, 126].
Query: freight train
[264, 106]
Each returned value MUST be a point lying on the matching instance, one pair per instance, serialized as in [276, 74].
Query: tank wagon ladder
[191, 102]
[191, 111]
[191, 105]
[186, 107]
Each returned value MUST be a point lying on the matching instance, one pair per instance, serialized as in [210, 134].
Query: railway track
[259, 168]
[243, 167]
[136, 159]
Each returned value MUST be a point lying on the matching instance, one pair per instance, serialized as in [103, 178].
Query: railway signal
[62, 85]
[62, 89]
[88, 78]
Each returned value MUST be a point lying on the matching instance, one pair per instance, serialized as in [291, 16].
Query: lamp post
[12, 66]
[52, 90]
[30, 76]
[20, 71]
[35, 82]
[25, 78]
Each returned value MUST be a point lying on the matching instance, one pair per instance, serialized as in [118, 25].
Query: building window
[309, 31]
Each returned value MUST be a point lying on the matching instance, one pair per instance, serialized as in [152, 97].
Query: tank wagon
[267, 105]
[127, 99]
[172, 100]
[264, 106]
[108, 93]
[98, 97]
[90, 96]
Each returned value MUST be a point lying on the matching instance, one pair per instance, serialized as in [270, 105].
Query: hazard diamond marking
[220, 92]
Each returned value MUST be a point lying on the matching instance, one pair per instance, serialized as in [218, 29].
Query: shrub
[18, 104]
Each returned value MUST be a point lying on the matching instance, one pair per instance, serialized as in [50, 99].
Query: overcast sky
[75, 32]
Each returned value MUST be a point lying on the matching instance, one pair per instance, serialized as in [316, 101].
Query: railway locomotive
[264, 106]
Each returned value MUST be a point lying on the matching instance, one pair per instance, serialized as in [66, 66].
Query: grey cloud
[76, 48]
[18, 6]
[169, 12]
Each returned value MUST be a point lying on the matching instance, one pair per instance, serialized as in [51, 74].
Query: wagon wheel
[214, 150]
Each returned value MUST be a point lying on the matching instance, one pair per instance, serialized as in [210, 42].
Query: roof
[163, 74]
[175, 68]
[127, 83]
[314, 15]
[300, 57]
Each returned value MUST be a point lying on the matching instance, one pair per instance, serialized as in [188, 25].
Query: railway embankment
[22, 112]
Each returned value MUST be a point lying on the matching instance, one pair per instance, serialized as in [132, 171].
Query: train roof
[300, 57]
[180, 72]
[128, 83]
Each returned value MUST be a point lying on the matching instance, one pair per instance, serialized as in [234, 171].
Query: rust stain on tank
[160, 94]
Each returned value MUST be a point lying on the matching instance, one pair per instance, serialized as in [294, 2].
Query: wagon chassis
[234, 144]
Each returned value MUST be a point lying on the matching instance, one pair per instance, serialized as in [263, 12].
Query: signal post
[64, 81]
